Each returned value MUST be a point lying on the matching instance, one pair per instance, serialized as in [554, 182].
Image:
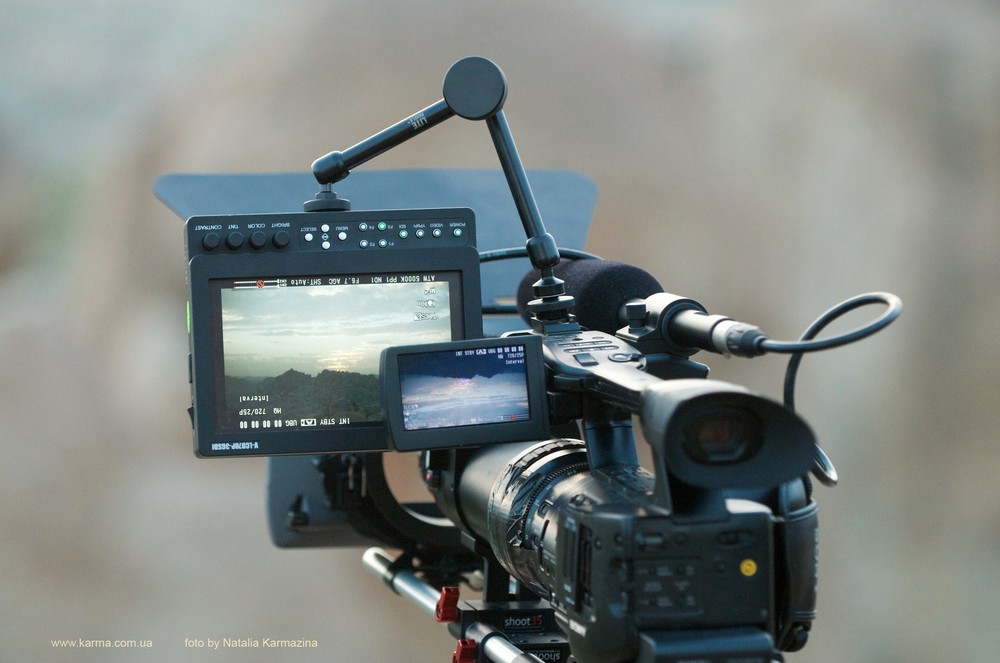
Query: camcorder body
[295, 328]
[328, 338]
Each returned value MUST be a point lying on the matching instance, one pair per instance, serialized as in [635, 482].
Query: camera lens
[729, 435]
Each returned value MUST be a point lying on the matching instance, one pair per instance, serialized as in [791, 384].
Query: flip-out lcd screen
[464, 393]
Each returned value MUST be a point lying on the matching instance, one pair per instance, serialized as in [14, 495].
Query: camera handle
[474, 88]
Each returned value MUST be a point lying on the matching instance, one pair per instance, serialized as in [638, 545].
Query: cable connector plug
[742, 340]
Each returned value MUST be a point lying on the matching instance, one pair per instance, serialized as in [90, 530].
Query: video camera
[327, 338]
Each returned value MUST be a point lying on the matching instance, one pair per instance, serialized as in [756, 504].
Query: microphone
[611, 295]
[601, 289]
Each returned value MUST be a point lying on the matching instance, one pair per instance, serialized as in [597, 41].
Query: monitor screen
[303, 352]
[288, 315]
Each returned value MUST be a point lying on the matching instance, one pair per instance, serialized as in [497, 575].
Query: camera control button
[624, 356]
[585, 359]
[341, 235]
[326, 244]
[281, 239]
[308, 237]
[258, 240]
[234, 240]
[210, 242]
[325, 228]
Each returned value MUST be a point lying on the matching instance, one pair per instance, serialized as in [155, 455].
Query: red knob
[447, 605]
[465, 652]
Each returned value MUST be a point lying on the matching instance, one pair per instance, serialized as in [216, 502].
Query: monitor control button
[210, 242]
[281, 239]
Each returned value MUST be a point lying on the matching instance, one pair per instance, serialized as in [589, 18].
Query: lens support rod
[495, 645]
[474, 88]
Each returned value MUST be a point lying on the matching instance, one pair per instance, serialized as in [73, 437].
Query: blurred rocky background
[769, 159]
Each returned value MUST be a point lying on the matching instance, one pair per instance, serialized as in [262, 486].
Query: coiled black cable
[823, 468]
